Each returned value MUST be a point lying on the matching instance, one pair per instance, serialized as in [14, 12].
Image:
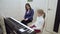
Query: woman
[28, 15]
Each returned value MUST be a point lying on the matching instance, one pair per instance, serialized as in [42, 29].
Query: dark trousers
[26, 22]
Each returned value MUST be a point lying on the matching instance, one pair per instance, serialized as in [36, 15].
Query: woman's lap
[26, 22]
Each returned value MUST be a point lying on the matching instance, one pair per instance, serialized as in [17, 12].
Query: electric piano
[16, 26]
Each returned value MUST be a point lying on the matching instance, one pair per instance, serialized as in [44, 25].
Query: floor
[47, 32]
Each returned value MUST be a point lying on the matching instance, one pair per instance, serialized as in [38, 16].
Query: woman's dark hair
[28, 5]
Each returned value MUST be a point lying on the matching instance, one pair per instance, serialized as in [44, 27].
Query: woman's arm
[31, 14]
[25, 15]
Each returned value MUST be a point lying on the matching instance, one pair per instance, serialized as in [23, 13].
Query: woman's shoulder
[32, 9]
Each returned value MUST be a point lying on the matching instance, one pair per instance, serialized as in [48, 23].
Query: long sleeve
[31, 14]
[25, 16]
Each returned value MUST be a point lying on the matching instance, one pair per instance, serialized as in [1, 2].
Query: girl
[38, 25]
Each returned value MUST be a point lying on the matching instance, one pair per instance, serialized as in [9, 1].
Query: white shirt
[39, 23]
[27, 11]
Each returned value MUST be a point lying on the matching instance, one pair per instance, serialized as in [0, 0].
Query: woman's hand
[26, 19]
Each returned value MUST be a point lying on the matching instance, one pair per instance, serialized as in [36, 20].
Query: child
[38, 25]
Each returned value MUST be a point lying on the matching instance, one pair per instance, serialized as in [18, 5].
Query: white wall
[12, 8]
[16, 8]
[52, 5]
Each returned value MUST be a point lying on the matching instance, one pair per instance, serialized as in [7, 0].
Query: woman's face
[27, 7]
